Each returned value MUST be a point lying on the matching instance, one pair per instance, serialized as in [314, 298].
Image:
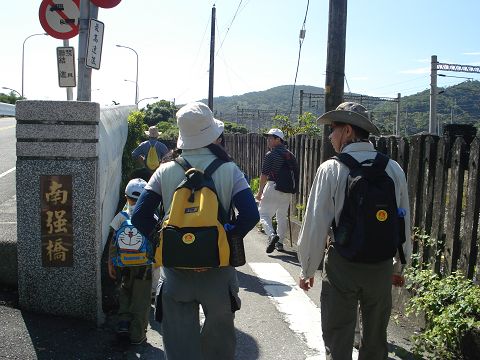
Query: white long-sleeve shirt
[325, 203]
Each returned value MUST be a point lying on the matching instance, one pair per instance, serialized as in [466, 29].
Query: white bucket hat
[197, 127]
[152, 132]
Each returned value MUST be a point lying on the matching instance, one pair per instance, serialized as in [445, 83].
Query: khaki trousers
[135, 299]
[344, 285]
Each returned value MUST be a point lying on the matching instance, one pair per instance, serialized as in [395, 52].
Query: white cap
[135, 187]
[276, 132]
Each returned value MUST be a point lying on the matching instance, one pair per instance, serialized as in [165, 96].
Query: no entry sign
[107, 4]
[59, 18]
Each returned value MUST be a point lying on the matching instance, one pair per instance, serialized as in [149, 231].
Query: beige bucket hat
[350, 113]
[152, 132]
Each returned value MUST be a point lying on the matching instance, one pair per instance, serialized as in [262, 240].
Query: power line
[229, 26]
[300, 41]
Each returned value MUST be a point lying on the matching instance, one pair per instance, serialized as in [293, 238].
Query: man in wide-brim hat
[346, 281]
[141, 152]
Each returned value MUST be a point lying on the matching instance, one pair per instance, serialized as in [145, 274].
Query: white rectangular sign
[94, 44]
[66, 66]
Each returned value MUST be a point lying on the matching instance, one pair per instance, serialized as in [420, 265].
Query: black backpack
[369, 229]
[287, 178]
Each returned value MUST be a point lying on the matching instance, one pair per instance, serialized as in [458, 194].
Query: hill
[458, 104]
[275, 99]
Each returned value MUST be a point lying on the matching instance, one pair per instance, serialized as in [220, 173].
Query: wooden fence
[443, 184]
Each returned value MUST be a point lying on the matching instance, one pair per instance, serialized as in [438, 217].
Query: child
[136, 281]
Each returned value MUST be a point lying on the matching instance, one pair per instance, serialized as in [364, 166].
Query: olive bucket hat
[350, 113]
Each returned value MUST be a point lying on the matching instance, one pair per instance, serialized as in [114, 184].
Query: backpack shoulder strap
[124, 213]
[183, 163]
[381, 161]
[214, 165]
[347, 159]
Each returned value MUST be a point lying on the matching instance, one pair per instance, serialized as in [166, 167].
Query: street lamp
[136, 87]
[23, 55]
[7, 88]
[151, 97]
[136, 79]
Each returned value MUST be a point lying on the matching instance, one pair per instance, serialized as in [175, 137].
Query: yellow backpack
[192, 235]
[151, 160]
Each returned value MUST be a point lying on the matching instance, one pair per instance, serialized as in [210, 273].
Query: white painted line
[7, 127]
[7, 172]
[300, 312]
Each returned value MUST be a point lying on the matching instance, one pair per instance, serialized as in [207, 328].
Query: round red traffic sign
[107, 4]
[60, 18]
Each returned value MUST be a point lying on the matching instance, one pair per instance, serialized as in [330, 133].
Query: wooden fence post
[468, 247]
[438, 206]
[455, 191]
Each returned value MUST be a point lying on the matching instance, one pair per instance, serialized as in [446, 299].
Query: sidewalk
[25, 335]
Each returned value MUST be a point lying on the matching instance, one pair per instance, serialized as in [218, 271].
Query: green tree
[234, 128]
[159, 111]
[136, 128]
[10, 98]
[306, 124]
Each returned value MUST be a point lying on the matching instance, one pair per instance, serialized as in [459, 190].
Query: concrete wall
[113, 136]
[7, 109]
[78, 140]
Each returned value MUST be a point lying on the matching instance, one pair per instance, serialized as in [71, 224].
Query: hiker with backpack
[150, 152]
[197, 186]
[278, 181]
[129, 260]
[359, 200]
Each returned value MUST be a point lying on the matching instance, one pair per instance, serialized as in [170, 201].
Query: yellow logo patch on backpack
[193, 236]
[151, 161]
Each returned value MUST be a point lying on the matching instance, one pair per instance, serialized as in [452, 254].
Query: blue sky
[388, 49]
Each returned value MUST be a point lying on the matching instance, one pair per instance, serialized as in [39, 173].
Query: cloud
[476, 53]
[422, 70]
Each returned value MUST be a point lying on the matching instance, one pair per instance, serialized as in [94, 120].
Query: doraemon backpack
[133, 248]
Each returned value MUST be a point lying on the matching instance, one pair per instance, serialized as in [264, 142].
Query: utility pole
[87, 11]
[433, 124]
[212, 60]
[397, 119]
[301, 103]
[335, 77]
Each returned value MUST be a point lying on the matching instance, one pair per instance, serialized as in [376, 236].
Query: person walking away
[150, 152]
[182, 290]
[367, 228]
[135, 281]
[278, 181]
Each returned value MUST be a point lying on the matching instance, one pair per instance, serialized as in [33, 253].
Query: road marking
[8, 223]
[7, 172]
[7, 127]
[300, 312]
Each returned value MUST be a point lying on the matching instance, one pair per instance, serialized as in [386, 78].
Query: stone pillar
[59, 208]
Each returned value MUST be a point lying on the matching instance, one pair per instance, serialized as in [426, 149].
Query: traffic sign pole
[66, 43]
[87, 11]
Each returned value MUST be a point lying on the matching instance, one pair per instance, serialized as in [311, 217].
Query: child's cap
[135, 187]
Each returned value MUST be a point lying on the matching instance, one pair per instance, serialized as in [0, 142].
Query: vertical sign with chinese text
[66, 66]
[94, 44]
[56, 220]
